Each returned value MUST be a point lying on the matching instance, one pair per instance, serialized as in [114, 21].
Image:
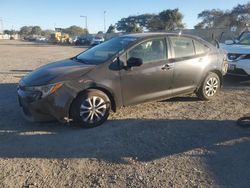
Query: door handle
[168, 66]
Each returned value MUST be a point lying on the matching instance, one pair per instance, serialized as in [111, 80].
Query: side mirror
[229, 42]
[134, 62]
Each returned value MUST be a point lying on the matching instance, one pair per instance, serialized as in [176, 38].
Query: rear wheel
[90, 109]
[210, 87]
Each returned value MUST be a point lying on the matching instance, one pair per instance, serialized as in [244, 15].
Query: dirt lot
[182, 142]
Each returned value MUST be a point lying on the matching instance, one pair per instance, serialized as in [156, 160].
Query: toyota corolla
[123, 71]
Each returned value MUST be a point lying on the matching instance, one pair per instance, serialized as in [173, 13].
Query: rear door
[152, 80]
[190, 60]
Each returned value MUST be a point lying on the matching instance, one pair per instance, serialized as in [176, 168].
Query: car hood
[56, 72]
[236, 48]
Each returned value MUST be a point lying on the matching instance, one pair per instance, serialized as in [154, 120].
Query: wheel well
[213, 71]
[110, 96]
[219, 74]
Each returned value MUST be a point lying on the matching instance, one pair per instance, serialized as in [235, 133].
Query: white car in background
[238, 56]
[97, 40]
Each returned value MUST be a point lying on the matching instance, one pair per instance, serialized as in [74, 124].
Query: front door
[152, 80]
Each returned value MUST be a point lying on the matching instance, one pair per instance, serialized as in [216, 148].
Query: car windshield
[245, 40]
[103, 52]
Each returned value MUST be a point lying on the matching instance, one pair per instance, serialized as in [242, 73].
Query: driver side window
[150, 51]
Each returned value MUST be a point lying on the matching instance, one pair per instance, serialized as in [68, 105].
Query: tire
[90, 109]
[210, 87]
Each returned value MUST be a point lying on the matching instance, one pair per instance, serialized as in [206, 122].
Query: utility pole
[86, 21]
[1, 22]
[104, 19]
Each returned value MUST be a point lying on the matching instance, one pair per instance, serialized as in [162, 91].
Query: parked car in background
[82, 41]
[238, 55]
[123, 71]
[97, 40]
[42, 39]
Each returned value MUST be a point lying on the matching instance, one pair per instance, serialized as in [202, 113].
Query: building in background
[9, 37]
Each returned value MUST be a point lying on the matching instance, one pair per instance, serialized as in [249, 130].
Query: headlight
[233, 57]
[45, 90]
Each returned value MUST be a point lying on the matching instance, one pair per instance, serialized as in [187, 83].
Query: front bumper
[52, 107]
[239, 68]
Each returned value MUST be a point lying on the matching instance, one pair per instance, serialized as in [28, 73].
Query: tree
[241, 13]
[238, 16]
[129, 25]
[36, 30]
[210, 18]
[144, 19]
[134, 24]
[111, 29]
[46, 33]
[9, 32]
[156, 24]
[25, 30]
[165, 20]
[172, 19]
[75, 31]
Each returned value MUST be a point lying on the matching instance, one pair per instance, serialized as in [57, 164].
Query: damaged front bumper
[53, 107]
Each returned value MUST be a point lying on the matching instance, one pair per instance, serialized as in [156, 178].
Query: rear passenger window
[200, 48]
[182, 47]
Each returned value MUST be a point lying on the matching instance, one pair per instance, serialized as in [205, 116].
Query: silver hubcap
[211, 87]
[93, 109]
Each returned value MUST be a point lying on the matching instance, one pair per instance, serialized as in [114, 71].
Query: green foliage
[25, 30]
[129, 25]
[165, 20]
[111, 29]
[241, 14]
[172, 19]
[238, 16]
[30, 30]
[46, 33]
[210, 18]
[9, 32]
[36, 30]
[156, 24]
[75, 30]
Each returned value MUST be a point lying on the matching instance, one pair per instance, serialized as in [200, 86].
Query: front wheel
[210, 87]
[90, 109]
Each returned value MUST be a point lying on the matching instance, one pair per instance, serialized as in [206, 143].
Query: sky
[61, 13]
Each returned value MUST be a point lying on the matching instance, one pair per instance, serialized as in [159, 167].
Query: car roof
[142, 36]
[150, 34]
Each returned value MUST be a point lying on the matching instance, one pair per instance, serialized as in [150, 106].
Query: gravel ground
[182, 142]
